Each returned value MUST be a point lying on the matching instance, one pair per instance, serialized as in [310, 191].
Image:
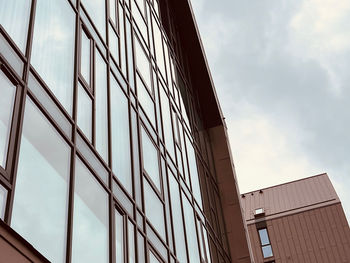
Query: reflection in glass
[150, 159]
[179, 234]
[267, 251]
[152, 204]
[167, 126]
[143, 64]
[119, 237]
[158, 46]
[193, 252]
[96, 10]
[41, 192]
[101, 107]
[121, 162]
[7, 99]
[85, 59]
[90, 218]
[113, 43]
[3, 198]
[192, 166]
[131, 241]
[14, 17]
[146, 100]
[53, 48]
[153, 258]
[84, 118]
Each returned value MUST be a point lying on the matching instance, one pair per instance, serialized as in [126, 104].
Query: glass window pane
[153, 258]
[3, 198]
[152, 204]
[84, 118]
[146, 100]
[112, 11]
[53, 48]
[179, 234]
[114, 44]
[140, 248]
[90, 218]
[158, 46]
[121, 151]
[14, 17]
[96, 10]
[190, 231]
[142, 63]
[119, 237]
[264, 238]
[7, 99]
[150, 159]
[267, 251]
[131, 241]
[40, 213]
[167, 126]
[130, 54]
[101, 107]
[193, 171]
[85, 59]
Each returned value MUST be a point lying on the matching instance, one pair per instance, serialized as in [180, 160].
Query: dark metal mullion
[10, 198]
[77, 61]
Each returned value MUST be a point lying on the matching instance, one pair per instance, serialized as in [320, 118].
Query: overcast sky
[282, 73]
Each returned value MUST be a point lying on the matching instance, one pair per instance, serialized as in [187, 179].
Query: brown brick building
[300, 221]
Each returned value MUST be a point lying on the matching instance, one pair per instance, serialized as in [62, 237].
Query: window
[40, 213]
[53, 48]
[84, 118]
[119, 237]
[121, 152]
[3, 198]
[14, 17]
[152, 204]
[150, 159]
[90, 218]
[101, 107]
[7, 99]
[85, 57]
[265, 243]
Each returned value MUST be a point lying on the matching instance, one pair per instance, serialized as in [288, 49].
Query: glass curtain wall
[99, 135]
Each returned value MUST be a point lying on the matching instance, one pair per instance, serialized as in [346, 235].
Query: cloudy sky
[282, 73]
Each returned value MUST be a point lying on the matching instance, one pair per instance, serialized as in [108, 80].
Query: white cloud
[264, 153]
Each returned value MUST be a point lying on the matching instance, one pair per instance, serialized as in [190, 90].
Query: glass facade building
[107, 152]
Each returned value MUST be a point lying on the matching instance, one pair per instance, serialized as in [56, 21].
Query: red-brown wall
[320, 235]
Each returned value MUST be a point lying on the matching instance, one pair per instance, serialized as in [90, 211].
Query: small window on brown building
[265, 243]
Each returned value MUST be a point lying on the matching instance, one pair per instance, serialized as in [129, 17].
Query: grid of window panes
[101, 144]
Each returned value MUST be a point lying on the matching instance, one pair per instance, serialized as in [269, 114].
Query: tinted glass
[53, 48]
[90, 218]
[264, 238]
[14, 17]
[267, 251]
[97, 12]
[146, 100]
[179, 234]
[84, 117]
[7, 98]
[121, 151]
[41, 192]
[119, 237]
[193, 251]
[3, 196]
[143, 64]
[101, 107]
[85, 60]
[150, 159]
[152, 204]
[192, 165]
